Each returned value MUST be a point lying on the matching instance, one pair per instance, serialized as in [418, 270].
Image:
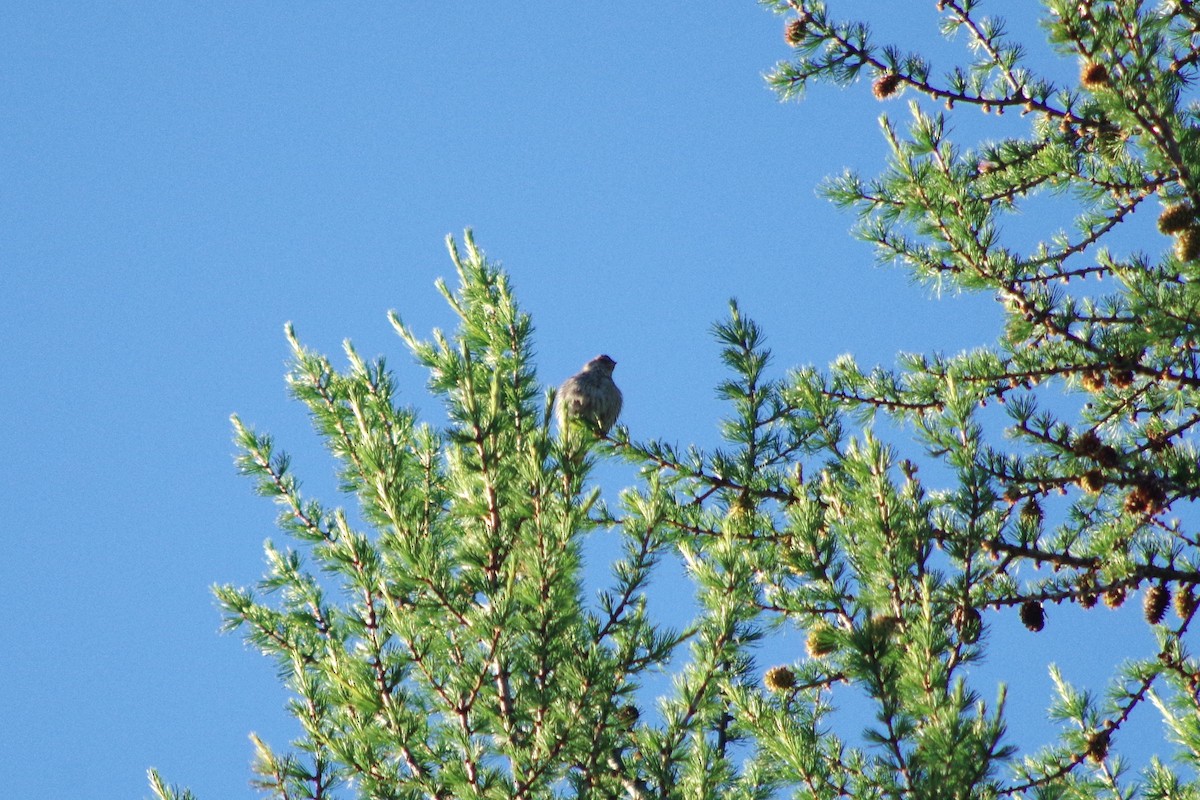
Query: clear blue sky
[180, 179]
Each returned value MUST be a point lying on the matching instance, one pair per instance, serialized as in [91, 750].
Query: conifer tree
[437, 641]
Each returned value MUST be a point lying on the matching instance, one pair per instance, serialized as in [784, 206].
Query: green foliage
[1083, 484]
[446, 651]
[437, 641]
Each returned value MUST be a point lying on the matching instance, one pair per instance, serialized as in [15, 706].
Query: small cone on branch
[821, 640]
[886, 85]
[1187, 243]
[779, 679]
[1175, 218]
[1156, 439]
[1121, 378]
[1087, 444]
[1087, 592]
[1154, 604]
[1147, 497]
[1092, 481]
[1032, 615]
[793, 33]
[1092, 380]
[628, 715]
[1097, 748]
[1093, 76]
[1185, 602]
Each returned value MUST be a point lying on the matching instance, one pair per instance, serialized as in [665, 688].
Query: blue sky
[180, 179]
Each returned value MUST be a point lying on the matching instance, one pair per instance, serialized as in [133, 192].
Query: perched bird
[590, 395]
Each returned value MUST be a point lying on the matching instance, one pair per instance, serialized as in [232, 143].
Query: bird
[591, 396]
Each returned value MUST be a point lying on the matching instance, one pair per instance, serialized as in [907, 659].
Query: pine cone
[821, 640]
[1175, 218]
[1106, 456]
[627, 715]
[886, 85]
[1187, 243]
[1121, 378]
[1092, 481]
[1086, 588]
[779, 679]
[793, 33]
[1097, 747]
[1033, 616]
[1154, 604]
[1147, 497]
[1086, 444]
[1092, 380]
[1185, 602]
[1093, 76]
